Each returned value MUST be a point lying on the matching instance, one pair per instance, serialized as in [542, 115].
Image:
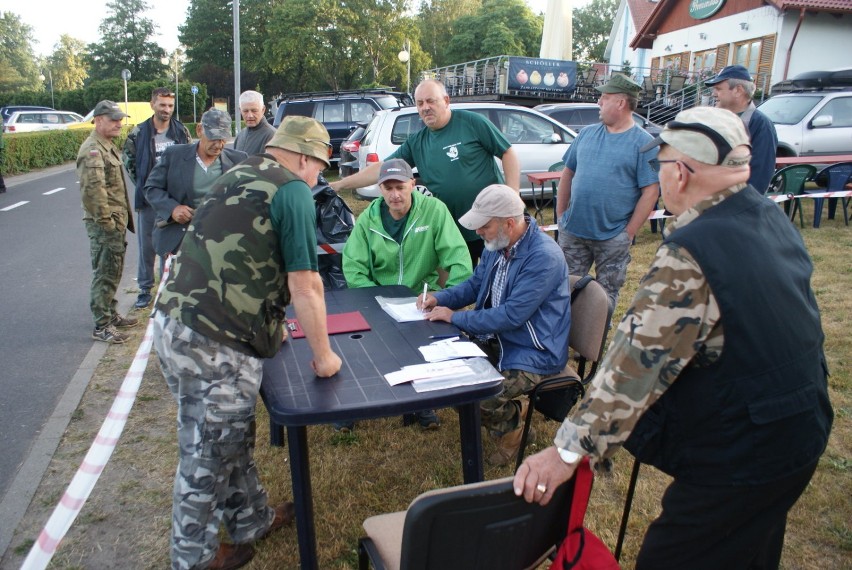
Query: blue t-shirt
[608, 181]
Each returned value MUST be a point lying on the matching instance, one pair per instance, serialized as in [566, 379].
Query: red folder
[339, 323]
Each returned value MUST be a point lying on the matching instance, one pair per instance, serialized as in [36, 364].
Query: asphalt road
[45, 329]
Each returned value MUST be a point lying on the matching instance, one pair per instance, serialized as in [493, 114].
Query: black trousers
[475, 248]
[726, 528]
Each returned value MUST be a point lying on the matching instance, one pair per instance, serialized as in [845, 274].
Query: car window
[304, 108]
[51, 119]
[565, 117]
[589, 116]
[840, 110]
[404, 126]
[525, 128]
[387, 102]
[789, 110]
[362, 111]
[332, 112]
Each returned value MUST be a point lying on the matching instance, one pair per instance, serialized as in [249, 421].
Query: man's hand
[427, 303]
[544, 470]
[182, 214]
[440, 314]
[328, 366]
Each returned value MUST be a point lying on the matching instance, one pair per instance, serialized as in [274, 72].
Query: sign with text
[702, 9]
[542, 75]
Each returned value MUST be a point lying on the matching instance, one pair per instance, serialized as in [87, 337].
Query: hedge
[23, 152]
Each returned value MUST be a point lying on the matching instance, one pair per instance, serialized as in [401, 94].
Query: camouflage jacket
[673, 320]
[228, 281]
[102, 186]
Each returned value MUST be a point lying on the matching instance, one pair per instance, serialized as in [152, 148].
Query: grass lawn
[382, 465]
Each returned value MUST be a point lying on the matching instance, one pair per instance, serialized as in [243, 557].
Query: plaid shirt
[503, 262]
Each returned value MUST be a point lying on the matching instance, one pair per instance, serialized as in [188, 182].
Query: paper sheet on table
[402, 309]
[427, 371]
[439, 351]
[480, 371]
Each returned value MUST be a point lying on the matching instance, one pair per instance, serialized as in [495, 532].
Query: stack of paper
[402, 309]
[438, 351]
[427, 371]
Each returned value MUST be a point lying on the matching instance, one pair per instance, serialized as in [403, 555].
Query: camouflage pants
[107, 249]
[503, 413]
[610, 257]
[217, 481]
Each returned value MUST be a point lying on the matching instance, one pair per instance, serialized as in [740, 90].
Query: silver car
[811, 123]
[539, 141]
[31, 121]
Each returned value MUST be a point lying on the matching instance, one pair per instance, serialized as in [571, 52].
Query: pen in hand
[423, 302]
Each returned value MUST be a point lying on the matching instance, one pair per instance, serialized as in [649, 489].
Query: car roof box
[823, 79]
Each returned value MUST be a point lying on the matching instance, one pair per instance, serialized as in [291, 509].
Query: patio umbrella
[556, 39]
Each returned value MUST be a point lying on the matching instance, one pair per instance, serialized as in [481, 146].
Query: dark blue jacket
[764, 146]
[139, 153]
[532, 321]
[170, 185]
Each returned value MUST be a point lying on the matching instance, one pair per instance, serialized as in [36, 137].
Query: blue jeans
[145, 220]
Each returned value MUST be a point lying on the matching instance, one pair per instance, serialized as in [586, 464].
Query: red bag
[582, 550]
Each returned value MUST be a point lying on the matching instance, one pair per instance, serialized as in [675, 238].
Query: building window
[704, 60]
[747, 54]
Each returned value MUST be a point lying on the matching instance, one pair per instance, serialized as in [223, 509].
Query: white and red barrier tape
[89, 472]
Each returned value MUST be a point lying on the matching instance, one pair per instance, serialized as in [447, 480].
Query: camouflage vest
[228, 280]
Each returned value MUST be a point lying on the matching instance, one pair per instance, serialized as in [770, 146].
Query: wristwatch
[569, 457]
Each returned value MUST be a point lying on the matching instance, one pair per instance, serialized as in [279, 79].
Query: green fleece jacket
[431, 240]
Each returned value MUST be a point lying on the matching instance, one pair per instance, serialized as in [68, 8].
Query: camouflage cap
[303, 135]
[619, 83]
[707, 134]
[216, 124]
[110, 109]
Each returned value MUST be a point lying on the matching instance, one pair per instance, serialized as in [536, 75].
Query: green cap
[619, 83]
[110, 109]
[303, 135]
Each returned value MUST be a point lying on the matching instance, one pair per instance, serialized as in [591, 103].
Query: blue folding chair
[838, 176]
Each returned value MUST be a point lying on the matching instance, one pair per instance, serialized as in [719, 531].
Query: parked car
[539, 140]
[812, 120]
[137, 112]
[349, 151]
[340, 111]
[6, 112]
[578, 115]
[30, 121]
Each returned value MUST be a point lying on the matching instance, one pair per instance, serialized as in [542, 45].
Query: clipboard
[337, 324]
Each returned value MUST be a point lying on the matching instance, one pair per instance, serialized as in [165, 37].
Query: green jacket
[102, 186]
[431, 240]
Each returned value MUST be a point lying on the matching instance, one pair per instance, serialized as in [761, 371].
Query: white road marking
[49, 192]
[13, 206]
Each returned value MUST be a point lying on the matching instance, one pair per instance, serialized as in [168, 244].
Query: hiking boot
[143, 299]
[121, 322]
[232, 556]
[509, 443]
[108, 334]
[427, 419]
[285, 514]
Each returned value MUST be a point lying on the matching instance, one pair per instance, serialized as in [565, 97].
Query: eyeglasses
[656, 162]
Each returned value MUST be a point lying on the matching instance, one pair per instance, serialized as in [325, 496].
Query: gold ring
[541, 488]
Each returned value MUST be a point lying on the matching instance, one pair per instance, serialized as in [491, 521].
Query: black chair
[556, 395]
[468, 527]
[790, 181]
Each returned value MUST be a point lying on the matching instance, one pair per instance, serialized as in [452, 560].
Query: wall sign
[701, 9]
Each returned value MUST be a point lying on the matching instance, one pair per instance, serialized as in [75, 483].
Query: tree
[67, 64]
[126, 43]
[18, 64]
[501, 27]
[592, 26]
[436, 21]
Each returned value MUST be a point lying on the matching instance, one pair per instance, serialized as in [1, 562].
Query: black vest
[760, 412]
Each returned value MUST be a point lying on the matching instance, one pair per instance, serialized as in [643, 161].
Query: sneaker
[121, 322]
[108, 334]
[143, 299]
[427, 419]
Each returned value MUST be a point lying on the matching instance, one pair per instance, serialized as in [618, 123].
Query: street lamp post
[166, 61]
[50, 76]
[194, 90]
[125, 76]
[405, 57]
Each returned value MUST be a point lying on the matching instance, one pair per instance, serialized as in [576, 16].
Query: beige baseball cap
[707, 134]
[303, 135]
[495, 201]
